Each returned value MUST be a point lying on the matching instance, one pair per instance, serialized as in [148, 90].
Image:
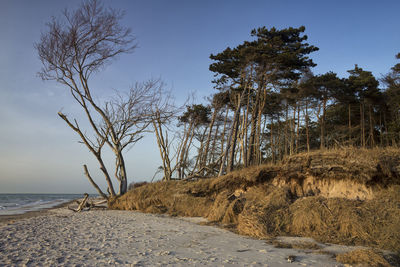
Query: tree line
[268, 104]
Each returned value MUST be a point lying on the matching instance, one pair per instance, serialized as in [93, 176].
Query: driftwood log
[84, 204]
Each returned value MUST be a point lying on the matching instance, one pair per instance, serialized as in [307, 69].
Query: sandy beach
[102, 238]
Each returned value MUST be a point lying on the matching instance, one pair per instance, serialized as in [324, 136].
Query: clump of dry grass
[263, 210]
[363, 257]
[244, 178]
[219, 207]
[338, 220]
[175, 198]
[232, 212]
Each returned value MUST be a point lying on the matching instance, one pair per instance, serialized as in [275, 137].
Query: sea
[11, 204]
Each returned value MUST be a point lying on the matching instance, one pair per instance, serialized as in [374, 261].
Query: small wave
[19, 204]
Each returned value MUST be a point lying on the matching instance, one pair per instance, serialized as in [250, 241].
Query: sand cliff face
[351, 174]
[328, 188]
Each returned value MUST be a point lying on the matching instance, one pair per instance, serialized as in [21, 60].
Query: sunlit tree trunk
[350, 138]
[371, 127]
[231, 133]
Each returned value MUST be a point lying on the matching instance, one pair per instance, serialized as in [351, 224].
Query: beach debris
[291, 258]
[85, 205]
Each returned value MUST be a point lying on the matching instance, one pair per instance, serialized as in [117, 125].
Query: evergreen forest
[269, 104]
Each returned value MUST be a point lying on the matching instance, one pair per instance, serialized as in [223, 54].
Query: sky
[40, 154]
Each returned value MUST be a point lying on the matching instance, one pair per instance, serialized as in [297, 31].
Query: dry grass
[379, 166]
[369, 223]
[244, 178]
[264, 210]
[363, 257]
[175, 198]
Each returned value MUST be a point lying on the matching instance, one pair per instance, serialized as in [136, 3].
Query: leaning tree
[76, 46]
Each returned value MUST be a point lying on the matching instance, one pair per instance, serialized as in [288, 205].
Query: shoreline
[6, 219]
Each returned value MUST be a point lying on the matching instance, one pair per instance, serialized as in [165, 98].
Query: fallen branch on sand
[85, 205]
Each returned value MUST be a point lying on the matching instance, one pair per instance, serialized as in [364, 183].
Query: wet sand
[5, 219]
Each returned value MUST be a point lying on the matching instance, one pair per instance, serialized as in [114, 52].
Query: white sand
[103, 238]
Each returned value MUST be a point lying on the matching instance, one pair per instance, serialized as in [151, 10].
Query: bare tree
[78, 45]
[163, 114]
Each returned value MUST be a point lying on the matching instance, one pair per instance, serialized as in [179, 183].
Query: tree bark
[362, 124]
[350, 138]
[371, 128]
[101, 193]
[307, 129]
[224, 130]
[322, 145]
[205, 152]
[229, 141]
[234, 141]
[272, 142]
[298, 130]
[181, 156]
[286, 130]
[163, 148]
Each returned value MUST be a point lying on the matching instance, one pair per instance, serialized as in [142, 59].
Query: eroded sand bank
[103, 238]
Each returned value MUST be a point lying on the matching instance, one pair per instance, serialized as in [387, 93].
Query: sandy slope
[101, 238]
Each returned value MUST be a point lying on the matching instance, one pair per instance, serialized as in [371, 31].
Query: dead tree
[85, 204]
[165, 112]
[75, 47]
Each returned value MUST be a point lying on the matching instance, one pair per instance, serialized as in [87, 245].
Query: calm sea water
[11, 204]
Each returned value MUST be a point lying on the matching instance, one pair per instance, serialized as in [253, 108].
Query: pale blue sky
[38, 153]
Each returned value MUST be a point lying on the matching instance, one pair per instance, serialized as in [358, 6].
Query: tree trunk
[279, 147]
[371, 128]
[307, 129]
[182, 150]
[272, 142]
[242, 158]
[362, 124]
[252, 144]
[350, 138]
[245, 132]
[286, 130]
[234, 140]
[224, 130]
[200, 153]
[213, 146]
[292, 130]
[185, 160]
[163, 147]
[257, 148]
[322, 147]
[93, 183]
[386, 130]
[298, 130]
[205, 152]
[123, 179]
[380, 129]
[229, 141]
